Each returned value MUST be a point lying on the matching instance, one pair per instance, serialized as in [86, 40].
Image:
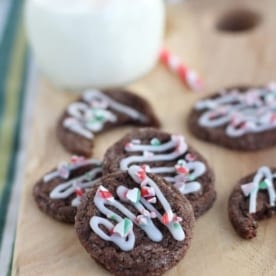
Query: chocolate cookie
[58, 193]
[96, 111]
[241, 118]
[134, 223]
[170, 157]
[252, 199]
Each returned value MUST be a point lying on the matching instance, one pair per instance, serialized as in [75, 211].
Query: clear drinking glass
[95, 43]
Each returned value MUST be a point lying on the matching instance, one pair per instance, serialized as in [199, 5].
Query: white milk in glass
[95, 43]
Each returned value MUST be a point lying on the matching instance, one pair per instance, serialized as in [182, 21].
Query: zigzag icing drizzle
[252, 111]
[90, 116]
[263, 180]
[185, 171]
[77, 185]
[122, 233]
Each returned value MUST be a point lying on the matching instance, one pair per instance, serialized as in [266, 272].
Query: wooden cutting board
[46, 247]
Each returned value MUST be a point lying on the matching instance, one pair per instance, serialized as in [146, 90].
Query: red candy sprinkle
[165, 219]
[145, 192]
[106, 194]
[182, 170]
[141, 174]
[79, 192]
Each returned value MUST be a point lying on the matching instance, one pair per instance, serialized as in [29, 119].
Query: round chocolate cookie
[170, 157]
[58, 193]
[253, 199]
[241, 118]
[96, 111]
[134, 223]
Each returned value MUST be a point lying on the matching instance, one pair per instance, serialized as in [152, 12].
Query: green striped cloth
[14, 77]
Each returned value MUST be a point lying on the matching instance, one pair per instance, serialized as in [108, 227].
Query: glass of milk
[95, 43]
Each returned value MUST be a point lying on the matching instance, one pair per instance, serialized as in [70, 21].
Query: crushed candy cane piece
[152, 199]
[248, 188]
[123, 228]
[141, 174]
[145, 212]
[133, 195]
[75, 159]
[79, 192]
[167, 217]
[181, 170]
[63, 170]
[88, 176]
[141, 220]
[155, 142]
[104, 193]
[181, 167]
[147, 191]
[181, 145]
[177, 219]
[153, 214]
[263, 185]
[146, 168]
[181, 162]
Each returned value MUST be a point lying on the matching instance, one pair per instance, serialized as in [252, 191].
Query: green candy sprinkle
[155, 142]
[176, 225]
[88, 176]
[113, 217]
[263, 185]
[138, 196]
[99, 116]
[127, 225]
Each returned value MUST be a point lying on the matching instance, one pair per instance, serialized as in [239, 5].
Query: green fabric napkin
[14, 64]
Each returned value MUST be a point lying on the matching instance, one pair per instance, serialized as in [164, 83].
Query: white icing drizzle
[196, 169]
[91, 95]
[252, 111]
[262, 180]
[66, 189]
[125, 238]
[89, 117]
[76, 185]
[151, 230]
[70, 167]
[176, 140]
[74, 125]
[152, 153]
[145, 181]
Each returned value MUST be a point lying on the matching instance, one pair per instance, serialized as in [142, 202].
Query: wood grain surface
[46, 247]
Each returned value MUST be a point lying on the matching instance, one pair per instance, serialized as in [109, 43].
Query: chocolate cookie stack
[133, 212]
